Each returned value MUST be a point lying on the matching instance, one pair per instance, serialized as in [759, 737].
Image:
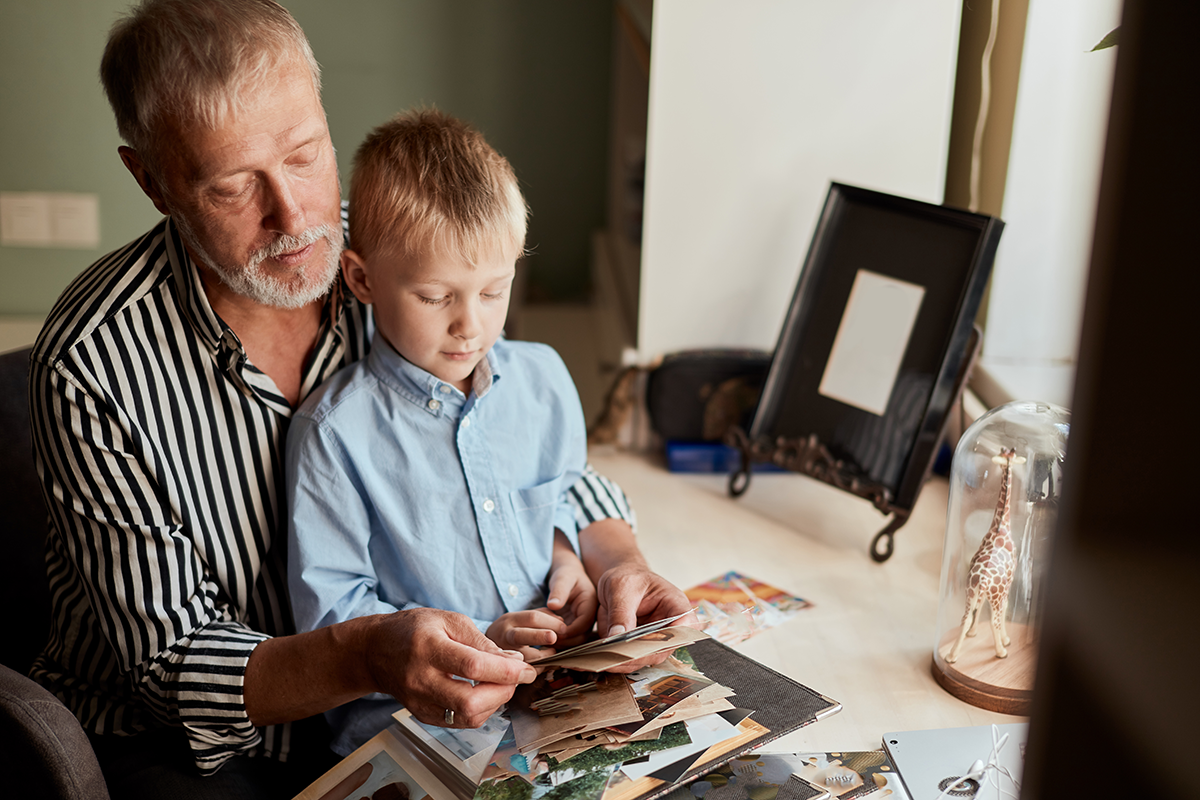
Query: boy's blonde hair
[425, 182]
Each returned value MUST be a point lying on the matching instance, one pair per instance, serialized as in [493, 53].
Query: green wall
[532, 74]
[57, 135]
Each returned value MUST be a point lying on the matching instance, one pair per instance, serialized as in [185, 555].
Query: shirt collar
[421, 386]
[221, 340]
[196, 308]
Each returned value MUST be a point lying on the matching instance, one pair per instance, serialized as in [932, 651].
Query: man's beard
[303, 285]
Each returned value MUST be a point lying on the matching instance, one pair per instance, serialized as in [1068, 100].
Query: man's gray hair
[194, 60]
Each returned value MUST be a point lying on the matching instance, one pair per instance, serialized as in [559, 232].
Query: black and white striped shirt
[160, 449]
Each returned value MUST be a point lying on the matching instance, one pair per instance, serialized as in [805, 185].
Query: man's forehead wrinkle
[244, 153]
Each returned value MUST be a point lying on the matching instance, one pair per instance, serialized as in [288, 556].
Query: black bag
[697, 395]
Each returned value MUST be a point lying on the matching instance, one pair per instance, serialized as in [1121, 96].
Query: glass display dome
[1005, 482]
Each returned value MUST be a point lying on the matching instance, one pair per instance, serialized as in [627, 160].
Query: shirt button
[434, 405]
[512, 590]
[466, 423]
[488, 506]
[444, 389]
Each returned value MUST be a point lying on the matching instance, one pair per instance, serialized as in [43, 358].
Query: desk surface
[867, 641]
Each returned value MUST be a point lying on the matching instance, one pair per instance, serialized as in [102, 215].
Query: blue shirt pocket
[534, 510]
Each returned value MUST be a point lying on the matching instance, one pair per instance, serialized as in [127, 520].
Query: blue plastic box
[708, 457]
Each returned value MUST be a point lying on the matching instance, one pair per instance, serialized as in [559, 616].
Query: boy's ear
[354, 270]
[137, 168]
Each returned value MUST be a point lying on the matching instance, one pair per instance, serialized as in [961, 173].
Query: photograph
[750, 778]
[733, 607]
[858, 775]
[624, 636]
[590, 701]
[467, 743]
[590, 786]
[615, 654]
[382, 769]
[673, 686]
[465, 750]
[606, 755]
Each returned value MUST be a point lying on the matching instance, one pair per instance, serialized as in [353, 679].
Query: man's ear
[137, 168]
[354, 270]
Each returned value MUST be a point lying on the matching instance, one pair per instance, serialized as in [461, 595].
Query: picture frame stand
[874, 351]
[808, 456]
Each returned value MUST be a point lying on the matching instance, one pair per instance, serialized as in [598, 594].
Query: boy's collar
[425, 383]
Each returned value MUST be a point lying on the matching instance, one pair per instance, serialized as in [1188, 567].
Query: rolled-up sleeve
[595, 497]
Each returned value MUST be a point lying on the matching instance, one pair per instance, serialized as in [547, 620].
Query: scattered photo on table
[614, 654]
[562, 702]
[616, 638]
[659, 688]
[379, 770]
[590, 786]
[508, 761]
[656, 697]
[705, 733]
[468, 743]
[379, 779]
[860, 775]
[608, 755]
[762, 777]
[733, 607]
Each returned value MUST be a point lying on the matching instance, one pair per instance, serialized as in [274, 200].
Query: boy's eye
[496, 296]
[433, 301]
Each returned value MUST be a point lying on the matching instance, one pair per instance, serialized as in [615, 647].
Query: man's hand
[628, 592]
[413, 655]
[631, 595]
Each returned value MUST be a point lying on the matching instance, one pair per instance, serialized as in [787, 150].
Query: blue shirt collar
[409, 379]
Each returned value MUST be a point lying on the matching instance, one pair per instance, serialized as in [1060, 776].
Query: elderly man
[161, 388]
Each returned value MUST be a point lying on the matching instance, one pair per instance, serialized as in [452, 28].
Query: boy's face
[438, 311]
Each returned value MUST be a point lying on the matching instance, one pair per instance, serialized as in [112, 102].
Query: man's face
[257, 200]
[438, 311]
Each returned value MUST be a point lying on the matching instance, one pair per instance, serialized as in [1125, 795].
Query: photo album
[581, 732]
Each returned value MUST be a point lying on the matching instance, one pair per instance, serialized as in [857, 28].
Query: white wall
[754, 107]
[1036, 303]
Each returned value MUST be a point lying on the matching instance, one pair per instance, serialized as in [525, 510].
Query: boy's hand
[525, 631]
[573, 597]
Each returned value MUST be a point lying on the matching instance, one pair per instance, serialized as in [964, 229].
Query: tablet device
[931, 761]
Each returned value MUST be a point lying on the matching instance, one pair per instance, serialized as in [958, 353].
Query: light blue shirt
[403, 492]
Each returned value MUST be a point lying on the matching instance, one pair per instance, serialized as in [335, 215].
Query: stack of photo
[582, 732]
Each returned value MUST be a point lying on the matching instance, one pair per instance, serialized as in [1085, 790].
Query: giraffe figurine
[991, 571]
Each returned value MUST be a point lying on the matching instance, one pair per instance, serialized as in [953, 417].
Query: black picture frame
[887, 457]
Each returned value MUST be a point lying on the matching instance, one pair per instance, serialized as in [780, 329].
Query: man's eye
[232, 192]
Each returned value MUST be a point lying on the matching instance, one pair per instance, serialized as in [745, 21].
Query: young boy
[434, 472]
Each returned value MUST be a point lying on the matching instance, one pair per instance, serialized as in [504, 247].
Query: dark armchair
[45, 752]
